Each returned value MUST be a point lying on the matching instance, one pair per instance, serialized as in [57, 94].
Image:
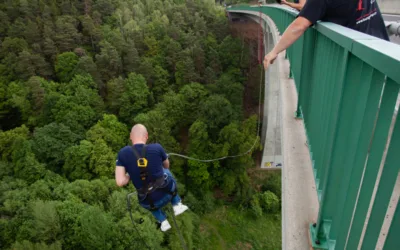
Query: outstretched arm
[121, 177]
[297, 6]
[292, 33]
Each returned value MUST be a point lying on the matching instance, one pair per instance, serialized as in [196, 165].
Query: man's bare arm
[292, 33]
[121, 177]
[166, 164]
[297, 6]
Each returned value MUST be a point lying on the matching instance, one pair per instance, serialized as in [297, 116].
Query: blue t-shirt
[155, 155]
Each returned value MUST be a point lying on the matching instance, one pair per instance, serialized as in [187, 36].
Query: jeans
[159, 214]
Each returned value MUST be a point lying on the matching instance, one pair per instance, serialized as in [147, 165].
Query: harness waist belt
[152, 186]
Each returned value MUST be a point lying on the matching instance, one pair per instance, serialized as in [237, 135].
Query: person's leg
[159, 215]
[176, 200]
[168, 172]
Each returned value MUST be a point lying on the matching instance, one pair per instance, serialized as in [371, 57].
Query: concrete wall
[389, 6]
[285, 140]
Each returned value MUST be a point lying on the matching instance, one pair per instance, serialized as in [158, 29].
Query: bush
[266, 202]
[201, 205]
[269, 202]
[273, 184]
[255, 206]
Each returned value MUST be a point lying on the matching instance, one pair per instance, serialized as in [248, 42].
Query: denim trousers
[159, 214]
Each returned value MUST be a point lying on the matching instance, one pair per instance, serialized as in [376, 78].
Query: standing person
[360, 15]
[148, 168]
[297, 4]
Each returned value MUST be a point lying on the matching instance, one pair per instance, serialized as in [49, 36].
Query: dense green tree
[17, 28]
[97, 230]
[146, 69]
[26, 166]
[46, 221]
[32, 33]
[160, 85]
[69, 212]
[79, 83]
[86, 65]
[230, 51]
[113, 132]
[4, 20]
[115, 89]
[81, 108]
[50, 142]
[135, 98]
[92, 192]
[199, 147]
[199, 59]
[67, 36]
[26, 245]
[91, 33]
[49, 48]
[76, 75]
[193, 94]
[173, 108]
[37, 91]
[130, 57]
[66, 65]
[8, 140]
[104, 7]
[216, 111]
[172, 49]
[17, 98]
[108, 61]
[9, 51]
[77, 159]
[102, 159]
[31, 65]
[185, 72]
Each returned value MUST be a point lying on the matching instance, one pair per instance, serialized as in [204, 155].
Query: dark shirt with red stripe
[360, 15]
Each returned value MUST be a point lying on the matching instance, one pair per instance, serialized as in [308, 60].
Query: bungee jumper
[147, 165]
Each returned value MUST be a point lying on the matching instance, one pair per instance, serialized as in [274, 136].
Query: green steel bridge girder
[348, 84]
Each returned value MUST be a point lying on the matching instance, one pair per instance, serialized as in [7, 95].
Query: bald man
[148, 168]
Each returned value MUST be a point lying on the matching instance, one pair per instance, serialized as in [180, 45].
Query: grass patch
[228, 228]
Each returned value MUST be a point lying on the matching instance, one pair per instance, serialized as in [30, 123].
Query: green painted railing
[347, 84]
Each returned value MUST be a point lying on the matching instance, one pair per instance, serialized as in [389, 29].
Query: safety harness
[149, 187]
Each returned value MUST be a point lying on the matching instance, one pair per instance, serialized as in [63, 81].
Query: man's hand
[269, 59]
[284, 2]
[121, 177]
[292, 33]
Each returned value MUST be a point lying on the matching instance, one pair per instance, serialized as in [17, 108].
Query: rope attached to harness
[128, 198]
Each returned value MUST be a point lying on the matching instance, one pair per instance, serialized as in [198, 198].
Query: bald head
[139, 134]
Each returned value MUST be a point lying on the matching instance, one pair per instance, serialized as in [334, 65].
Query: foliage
[75, 76]
[266, 201]
[230, 228]
[65, 66]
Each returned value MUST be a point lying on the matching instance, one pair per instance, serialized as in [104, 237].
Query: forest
[76, 75]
